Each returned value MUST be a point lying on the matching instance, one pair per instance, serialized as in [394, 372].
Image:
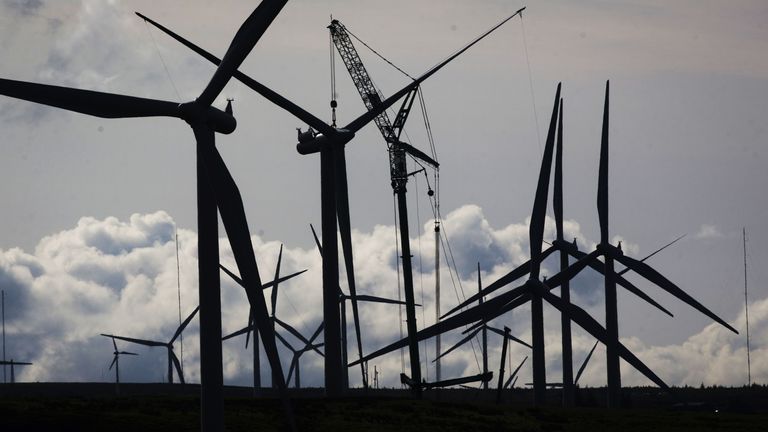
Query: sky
[91, 205]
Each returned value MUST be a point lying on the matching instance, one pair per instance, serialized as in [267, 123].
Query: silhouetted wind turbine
[611, 254]
[116, 360]
[13, 363]
[215, 188]
[330, 142]
[309, 345]
[534, 290]
[251, 323]
[484, 328]
[173, 361]
[584, 364]
[513, 376]
[342, 303]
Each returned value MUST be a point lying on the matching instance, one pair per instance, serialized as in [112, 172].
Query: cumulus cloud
[114, 276]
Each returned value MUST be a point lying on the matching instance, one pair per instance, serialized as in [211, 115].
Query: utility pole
[437, 297]
[5, 380]
[746, 305]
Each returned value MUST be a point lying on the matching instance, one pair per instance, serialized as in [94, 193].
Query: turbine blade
[662, 282]
[539, 212]
[232, 213]
[374, 299]
[584, 364]
[114, 360]
[317, 240]
[572, 270]
[232, 275]
[557, 193]
[177, 364]
[458, 344]
[291, 368]
[276, 280]
[184, 325]
[282, 279]
[98, 104]
[512, 338]
[139, 341]
[602, 181]
[127, 353]
[582, 318]
[599, 267]
[514, 374]
[249, 328]
[294, 332]
[256, 86]
[636, 291]
[245, 39]
[364, 119]
[114, 344]
[487, 311]
[510, 277]
[342, 213]
[459, 381]
[317, 332]
[655, 252]
[284, 342]
[243, 330]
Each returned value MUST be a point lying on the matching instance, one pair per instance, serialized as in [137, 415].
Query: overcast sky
[90, 205]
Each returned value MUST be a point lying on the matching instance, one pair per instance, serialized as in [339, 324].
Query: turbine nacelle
[311, 142]
[195, 114]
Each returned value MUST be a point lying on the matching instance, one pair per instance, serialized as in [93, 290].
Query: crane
[399, 174]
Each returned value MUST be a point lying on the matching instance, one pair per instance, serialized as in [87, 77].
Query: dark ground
[159, 407]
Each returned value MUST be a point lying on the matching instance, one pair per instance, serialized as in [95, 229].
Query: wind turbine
[116, 360]
[566, 249]
[343, 310]
[13, 363]
[215, 189]
[173, 361]
[330, 142]
[534, 290]
[251, 323]
[309, 345]
[612, 254]
[513, 375]
[484, 328]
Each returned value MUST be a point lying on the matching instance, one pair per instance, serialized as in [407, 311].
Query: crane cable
[530, 83]
[162, 61]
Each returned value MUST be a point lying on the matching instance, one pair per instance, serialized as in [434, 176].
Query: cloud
[707, 231]
[120, 276]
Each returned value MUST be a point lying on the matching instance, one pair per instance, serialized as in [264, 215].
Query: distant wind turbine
[251, 322]
[116, 360]
[173, 361]
[13, 363]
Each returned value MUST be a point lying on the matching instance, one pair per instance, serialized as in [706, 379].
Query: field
[157, 407]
